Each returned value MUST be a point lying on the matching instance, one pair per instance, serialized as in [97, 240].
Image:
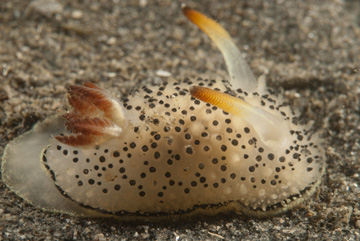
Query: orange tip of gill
[268, 126]
[206, 24]
[224, 101]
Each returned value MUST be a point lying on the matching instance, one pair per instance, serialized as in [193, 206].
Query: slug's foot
[96, 116]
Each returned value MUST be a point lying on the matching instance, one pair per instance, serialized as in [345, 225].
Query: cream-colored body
[162, 152]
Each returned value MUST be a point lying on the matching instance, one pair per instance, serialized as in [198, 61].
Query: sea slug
[176, 149]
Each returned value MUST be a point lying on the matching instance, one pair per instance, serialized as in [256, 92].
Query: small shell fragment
[162, 73]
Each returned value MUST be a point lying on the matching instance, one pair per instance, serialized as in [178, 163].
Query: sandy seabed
[310, 50]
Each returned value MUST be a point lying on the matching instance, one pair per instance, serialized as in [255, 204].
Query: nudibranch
[170, 150]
